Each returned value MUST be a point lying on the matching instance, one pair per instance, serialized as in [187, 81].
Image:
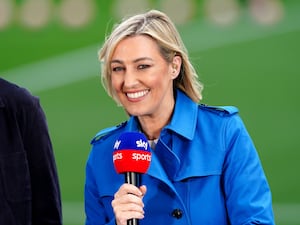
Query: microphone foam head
[132, 153]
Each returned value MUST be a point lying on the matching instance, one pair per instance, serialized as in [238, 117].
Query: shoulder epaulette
[105, 132]
[229, 110]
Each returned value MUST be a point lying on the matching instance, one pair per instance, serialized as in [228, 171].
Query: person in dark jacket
[29, 185]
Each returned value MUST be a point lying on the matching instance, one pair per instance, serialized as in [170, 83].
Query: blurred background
[246, 52]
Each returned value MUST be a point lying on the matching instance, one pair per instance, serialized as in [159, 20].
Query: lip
[136, 95]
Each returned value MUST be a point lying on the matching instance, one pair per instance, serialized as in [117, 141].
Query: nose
[130, 79]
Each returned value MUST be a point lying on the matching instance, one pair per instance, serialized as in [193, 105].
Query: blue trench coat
[204, 171]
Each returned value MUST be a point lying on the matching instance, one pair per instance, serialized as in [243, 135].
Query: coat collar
[184, 117]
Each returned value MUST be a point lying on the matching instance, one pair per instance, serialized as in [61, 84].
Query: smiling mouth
[136, 95]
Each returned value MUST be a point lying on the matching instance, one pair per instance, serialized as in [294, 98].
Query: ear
[176, 65]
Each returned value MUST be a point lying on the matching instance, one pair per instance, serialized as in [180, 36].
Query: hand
[128, 204]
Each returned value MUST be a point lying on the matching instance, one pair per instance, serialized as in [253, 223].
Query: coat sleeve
[46, 199]
[248, 197]
[94, 208]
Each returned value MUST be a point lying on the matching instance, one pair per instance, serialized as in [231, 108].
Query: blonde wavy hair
[160, 28]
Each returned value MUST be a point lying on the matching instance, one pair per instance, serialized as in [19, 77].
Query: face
[141, 78]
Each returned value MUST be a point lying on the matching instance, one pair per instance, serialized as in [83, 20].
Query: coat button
[177, 213]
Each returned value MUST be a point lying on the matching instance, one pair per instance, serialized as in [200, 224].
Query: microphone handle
[133, 178]
[133, 222]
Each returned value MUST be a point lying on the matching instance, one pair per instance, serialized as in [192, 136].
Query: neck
[152, 125]
[151, 129]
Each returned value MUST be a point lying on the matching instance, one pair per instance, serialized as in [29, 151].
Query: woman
[204, 168]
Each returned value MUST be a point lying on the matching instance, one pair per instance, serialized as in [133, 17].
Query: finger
[128, 188]
[143, 189]
[128, 207]
[123, 217]
[128, 199]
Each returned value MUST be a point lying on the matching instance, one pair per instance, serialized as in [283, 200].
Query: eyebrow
[134, 61]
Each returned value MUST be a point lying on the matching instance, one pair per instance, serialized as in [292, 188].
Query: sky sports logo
[139, 144]
[133, 155]
[131, 150]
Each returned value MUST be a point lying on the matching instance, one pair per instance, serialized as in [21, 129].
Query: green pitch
[253, 67]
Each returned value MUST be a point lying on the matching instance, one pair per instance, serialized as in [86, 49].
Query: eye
[143, 66]
[117, 68]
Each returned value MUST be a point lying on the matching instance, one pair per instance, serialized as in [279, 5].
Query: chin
[135, 112]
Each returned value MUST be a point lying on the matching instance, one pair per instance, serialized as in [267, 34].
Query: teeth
[137, 94]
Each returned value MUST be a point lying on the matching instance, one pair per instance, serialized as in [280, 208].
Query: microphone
[132, 157]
